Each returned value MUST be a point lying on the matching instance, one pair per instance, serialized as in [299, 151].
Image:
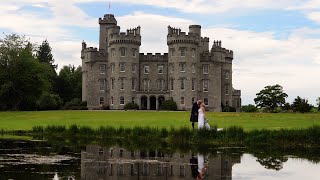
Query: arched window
[206, 101]
[111, 100]
[121, 100]
[101, 100]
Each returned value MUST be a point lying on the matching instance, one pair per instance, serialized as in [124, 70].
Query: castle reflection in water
[101, 163]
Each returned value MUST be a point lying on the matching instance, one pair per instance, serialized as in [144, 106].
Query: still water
[26, 159]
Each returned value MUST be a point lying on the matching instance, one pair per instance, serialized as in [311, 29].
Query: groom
[194, 112]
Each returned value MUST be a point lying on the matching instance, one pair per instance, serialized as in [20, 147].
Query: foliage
[49, 102]
[44, 54]
[301, 105]
[75, 104]
[318, 103]
[271, 97]
[286, 107]
[69, 83]
[131, 106]
[228, 108]
[22, 78]
[249, 108]
[169, 105]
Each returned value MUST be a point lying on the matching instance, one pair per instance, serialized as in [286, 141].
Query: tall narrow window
[113, 52]
[121, 83]
[102, 68]
[112, 84]
[112, 68]
[171, 68]
[193, 84]
[101, 100]
[134, 52]
[122, 67]
[133, 68]
[133, 84]
[227, 89]
[193, 68]
[171, 84]
[205, 85]
[160, 84]
[160, 69]
[206, 101]
[193, 53]
[132, 100]
[146, 83]
[192, 100]
[182, 52]
[205, 69]
[182, 83]
[146, 69]
[182, 100]
[172, 52]
[121, 100]
[111, 100]
[102, 84]
[182, 67]
[122, 52]
[227, 74]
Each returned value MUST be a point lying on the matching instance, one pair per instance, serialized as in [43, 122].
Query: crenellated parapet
[157, 57]
[175, 35]
[216, 47]
[236, 92]
[132, 36]
[92, 54]
[108, 19]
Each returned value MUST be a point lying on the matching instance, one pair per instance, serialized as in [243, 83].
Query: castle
[118, 73]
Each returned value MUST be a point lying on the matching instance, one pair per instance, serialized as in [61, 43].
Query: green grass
[95, 119]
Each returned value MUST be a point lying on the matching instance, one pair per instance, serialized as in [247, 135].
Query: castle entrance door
[144, 103]
[153, 103]
[160, 100]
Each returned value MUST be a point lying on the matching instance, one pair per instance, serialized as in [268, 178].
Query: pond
[37, 159]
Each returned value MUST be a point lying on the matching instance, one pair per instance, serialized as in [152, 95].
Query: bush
[301, 105]
[105, 107]
[75, 104]
[168, 105]
[228, 108]
[249, 108]
[131, 106]
[49, 102]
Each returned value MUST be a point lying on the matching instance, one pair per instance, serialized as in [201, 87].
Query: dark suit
[194, 112]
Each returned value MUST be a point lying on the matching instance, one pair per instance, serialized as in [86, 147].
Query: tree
[249, 108]
[318, 103]
[271, 97]
[44, 54]
[22, 77]
[301, 105]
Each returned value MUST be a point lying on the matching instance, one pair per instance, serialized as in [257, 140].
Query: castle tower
[124, 49]
[108, 25]
[183, 60]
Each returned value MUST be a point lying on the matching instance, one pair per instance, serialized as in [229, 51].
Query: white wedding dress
[200, 118]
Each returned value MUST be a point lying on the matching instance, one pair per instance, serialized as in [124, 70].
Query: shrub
[49, 102]
[227, 108]
[105, 107]
[249, 108]
[76, 104]
[168, 105]
[131, 106]
[301, 105]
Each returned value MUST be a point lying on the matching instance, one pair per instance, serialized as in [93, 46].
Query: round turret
[195, 29]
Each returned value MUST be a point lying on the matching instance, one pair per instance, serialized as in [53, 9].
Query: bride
[201, 117]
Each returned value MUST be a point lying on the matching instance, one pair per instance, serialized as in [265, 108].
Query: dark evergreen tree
[301, 105]
[44, 54]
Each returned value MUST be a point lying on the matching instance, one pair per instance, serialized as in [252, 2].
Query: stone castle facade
[117, 73]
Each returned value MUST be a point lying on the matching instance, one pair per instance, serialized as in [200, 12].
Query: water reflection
[118, 163]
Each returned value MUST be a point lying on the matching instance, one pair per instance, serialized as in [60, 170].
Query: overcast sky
[274, 42]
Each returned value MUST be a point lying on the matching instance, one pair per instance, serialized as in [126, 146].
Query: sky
[273, 42]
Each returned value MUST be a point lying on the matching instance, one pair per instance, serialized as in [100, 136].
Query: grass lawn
[249, 121]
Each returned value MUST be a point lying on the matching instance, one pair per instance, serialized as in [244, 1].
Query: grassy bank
[129, 119]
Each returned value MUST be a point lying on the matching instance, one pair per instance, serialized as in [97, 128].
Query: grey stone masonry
[117, 73]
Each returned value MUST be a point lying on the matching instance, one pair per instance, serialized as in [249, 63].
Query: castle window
[134, 52]
[171, 68]
[146, 69]
[182, 100]
[102, 68]
[193, 68]
[192, 100]
[160, 69]
[172, 52]
[206, 101]
[121, 83]
[182, 67]
[227, 89]
[112, 84]
[160, 84]
[134, 68]
[182, 83]
[132, 100]
[205, 69]
[205, 85]
[111, 100]
[133, 84]
[113, 52]
[193, 53]
[122, 52]
[102, 84]
[227, 103]
[121, 100]
[227, 74]
[171, 84]
[193, 84]
[182, 52]
[146, 84]
[112, 68]
[122, 67]
[101, 100]
[182, 171]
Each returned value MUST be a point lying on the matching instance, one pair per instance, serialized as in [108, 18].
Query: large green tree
[23, 78]
[301, 105]
[271, 97]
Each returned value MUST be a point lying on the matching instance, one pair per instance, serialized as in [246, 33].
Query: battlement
[175, 35]
[204, 39]
[131, 36]
[236, 92]
[95, 53]
[153, 57]
[108, 19]
[216, 47]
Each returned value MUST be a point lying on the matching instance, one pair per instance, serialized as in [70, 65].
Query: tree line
[273, 99]
[29, 81]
